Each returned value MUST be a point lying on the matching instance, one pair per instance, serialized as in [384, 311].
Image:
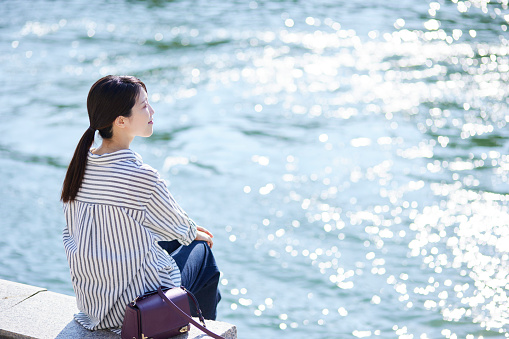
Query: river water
[351, 157]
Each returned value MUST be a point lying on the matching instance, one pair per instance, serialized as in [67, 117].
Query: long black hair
[109, 98]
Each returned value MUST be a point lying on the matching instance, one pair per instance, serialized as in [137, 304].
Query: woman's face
[140, 121]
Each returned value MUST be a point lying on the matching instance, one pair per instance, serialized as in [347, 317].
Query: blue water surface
[350, 157]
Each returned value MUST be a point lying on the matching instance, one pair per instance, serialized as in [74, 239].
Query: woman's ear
[120, 121]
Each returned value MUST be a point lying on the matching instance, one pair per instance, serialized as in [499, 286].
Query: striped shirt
[122, 210]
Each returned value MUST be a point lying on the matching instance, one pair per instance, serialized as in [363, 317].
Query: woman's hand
[204, 230]
[204, 235]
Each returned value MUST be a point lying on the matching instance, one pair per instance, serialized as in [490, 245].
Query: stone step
[34, 312]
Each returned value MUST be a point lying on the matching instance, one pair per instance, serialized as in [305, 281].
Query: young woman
[125, 232]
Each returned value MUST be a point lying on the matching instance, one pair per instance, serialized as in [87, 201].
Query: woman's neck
[110, 146]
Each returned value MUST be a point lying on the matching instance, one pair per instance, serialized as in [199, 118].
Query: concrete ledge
[33, 312]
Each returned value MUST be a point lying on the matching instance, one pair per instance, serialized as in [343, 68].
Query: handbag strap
[184, 314]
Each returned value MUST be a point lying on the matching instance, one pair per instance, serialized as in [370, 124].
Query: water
[351, 157]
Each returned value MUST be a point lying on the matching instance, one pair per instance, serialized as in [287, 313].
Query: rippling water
[351, 157]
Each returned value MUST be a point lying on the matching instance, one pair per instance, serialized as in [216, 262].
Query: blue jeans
[200, 274]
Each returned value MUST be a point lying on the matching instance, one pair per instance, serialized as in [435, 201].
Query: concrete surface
[34, 312]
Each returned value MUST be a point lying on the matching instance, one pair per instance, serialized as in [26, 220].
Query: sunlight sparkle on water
[368, 164]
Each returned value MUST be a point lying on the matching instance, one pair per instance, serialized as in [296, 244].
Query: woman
[120, 215]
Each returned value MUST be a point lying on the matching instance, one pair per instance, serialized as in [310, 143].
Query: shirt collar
[118, 156]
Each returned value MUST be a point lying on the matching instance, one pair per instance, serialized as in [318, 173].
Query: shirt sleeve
[166, 218]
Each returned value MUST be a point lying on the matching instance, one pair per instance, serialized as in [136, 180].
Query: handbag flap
[158, 318]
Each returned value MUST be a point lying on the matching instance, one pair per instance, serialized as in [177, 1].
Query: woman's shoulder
[149, 171]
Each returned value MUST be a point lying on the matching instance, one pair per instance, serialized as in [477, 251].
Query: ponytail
[76, 169]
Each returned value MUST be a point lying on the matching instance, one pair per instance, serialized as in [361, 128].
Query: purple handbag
[161, 314]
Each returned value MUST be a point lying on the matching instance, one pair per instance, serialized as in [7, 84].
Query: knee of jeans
[201, 249]
[201, 245]
[205, 246]
[208, 257]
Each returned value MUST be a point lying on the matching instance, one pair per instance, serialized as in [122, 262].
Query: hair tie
[91, 128]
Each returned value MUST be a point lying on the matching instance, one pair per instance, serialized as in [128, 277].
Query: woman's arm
[167, 219]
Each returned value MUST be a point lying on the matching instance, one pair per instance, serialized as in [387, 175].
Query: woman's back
[113, 223]
[118, 178]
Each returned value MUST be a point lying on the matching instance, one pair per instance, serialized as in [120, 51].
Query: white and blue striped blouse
[122, 210]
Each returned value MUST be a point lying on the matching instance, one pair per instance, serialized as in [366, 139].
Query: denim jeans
[200, 274]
